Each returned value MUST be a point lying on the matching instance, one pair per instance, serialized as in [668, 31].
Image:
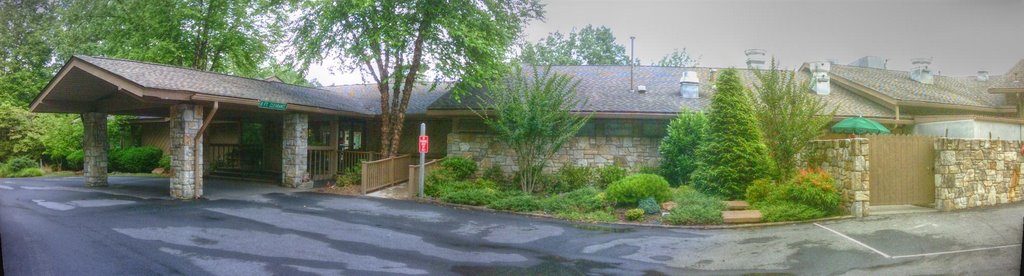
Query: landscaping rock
[159, 171]
[737, 205]
[744, 216]
[668, 205]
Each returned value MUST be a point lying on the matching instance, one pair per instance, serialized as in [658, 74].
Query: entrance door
[902, 170]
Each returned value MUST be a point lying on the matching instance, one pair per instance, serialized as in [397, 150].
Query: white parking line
[955, 251]
[887, 256]
[855, 241]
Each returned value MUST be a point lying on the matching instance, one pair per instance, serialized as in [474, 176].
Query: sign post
[424, 147]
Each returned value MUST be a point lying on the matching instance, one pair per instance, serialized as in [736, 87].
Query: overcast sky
[962, 36]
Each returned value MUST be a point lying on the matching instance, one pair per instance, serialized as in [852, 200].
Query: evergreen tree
[734, 154]
[678, 148]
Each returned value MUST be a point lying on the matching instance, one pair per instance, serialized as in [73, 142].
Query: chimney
[920, 71]
[819, 74]
[689, 84]
[641, 89]
[982, 75]
[755, 58]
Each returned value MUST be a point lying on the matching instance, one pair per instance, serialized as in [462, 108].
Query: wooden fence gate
[902, 169]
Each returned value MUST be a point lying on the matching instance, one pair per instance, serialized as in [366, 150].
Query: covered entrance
[902, 170]
[215, 123]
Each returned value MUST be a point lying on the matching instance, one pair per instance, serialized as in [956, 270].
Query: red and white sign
[424, 144]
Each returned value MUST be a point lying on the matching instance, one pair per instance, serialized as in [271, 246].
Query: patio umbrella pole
[198, 177]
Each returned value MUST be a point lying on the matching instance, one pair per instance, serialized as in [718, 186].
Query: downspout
[198, 177]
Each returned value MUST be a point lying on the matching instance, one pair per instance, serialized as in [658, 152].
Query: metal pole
[631, 38]
[423, 159]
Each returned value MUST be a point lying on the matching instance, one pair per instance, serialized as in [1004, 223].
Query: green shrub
[775, 211]
[760, 190]
[520, 203]
[76, 158]
[631, 189]
[460, 168]
[684, 135]
[733, 154]
[494, 173]
[581, 200]
[812, 188]
[474, 196]
[649, 205]
[635, 214]
[135, 159]
[694, 214]
[27, 172]
[165, 162]
[570, 178]
[686, 195]
[648, 170]
[609, 174]
[352, 176]
[19, 163]
[594, 216]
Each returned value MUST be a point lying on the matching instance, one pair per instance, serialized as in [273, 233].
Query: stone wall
[294, 172]
[975, 172]
[631, 152]
[94, 145]
[186, 119]
[848, 163]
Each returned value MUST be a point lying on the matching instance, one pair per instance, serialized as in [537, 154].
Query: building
[294, 135]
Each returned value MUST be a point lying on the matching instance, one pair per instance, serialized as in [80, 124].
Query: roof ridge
[197, 70]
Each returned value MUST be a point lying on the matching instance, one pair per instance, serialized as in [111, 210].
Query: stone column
[294, 172]
[186, 119]
[94, 144]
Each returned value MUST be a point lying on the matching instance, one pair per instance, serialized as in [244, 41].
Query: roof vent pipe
[755, 58]
[920, 71]
[982, 75]
[641, 89]
[819, 73]
[689, 84]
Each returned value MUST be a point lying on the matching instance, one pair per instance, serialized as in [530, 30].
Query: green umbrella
[859, 125]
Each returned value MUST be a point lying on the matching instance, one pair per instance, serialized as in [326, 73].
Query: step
[744, 216]
[737, 205]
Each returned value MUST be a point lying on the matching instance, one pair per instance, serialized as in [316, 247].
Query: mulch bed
[347, 190]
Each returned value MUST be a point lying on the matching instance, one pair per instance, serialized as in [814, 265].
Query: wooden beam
[196, 168]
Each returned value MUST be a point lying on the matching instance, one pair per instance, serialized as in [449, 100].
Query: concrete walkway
[54, 226]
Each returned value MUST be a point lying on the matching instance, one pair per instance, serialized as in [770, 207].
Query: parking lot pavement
[54, 226]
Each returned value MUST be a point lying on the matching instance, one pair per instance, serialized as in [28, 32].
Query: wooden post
[363, 179]
[334, 147]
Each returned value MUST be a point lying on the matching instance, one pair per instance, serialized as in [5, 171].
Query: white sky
[962, 36]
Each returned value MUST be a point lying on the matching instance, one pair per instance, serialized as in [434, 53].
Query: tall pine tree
[734, 153]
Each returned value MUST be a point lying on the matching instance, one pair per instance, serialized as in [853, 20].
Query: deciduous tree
[395, 42]
[678, 58]
[531, 113]
[790, 116]
[589, 46]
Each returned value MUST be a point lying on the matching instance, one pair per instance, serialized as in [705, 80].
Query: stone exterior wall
[631, 152]
[294, 172]
[94, 144]
[975, 172]
[186, 119]
[848, 163]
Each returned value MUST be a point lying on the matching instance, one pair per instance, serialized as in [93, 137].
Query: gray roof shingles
[606, 89]
[160, 76]
[945, 90]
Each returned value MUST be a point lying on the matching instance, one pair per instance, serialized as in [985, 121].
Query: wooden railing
[351, 158]
[320, 163]
[234, 156]
[414, 176]
[385, 172]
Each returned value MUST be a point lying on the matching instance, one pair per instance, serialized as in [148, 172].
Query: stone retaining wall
[630, 152]
[974, 172]
[848, 163]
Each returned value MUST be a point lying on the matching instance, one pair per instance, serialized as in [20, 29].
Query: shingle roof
[945, 90]
[1014, 78]
[606, 89]
[368, 97]
[160, 76]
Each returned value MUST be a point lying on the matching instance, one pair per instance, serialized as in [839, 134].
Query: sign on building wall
[273, 105]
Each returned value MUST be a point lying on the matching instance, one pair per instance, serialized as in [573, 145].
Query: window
[589, 129]
[617, 128]
[653, 128]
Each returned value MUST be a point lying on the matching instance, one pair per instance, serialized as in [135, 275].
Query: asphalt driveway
[54, 226]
